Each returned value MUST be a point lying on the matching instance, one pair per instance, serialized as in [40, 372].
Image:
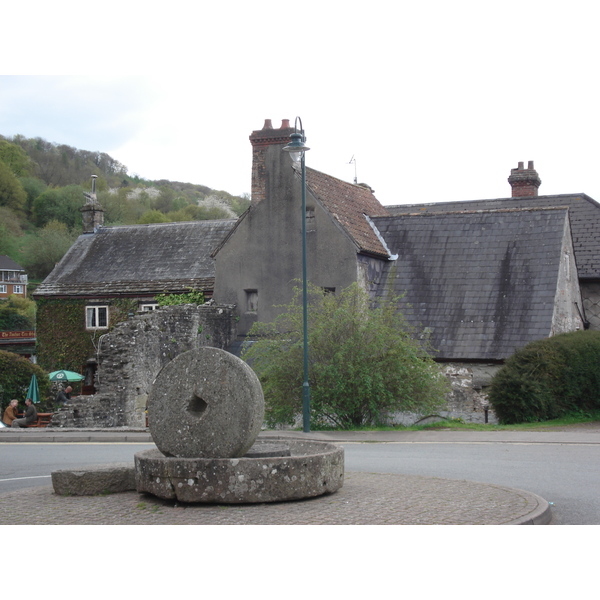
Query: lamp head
[296, 147]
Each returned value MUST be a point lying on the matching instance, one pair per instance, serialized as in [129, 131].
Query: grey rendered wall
[264, 253]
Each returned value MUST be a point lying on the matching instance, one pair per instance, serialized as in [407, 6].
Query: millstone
[205, 403]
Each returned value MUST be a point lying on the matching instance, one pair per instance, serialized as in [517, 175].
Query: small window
[310, 219]
[17, 289]
[328, 290]
[2, 289]
[148, 307]
[251, 301]
[96, 317]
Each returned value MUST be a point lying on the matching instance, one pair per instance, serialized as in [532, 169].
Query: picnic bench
[43, 420]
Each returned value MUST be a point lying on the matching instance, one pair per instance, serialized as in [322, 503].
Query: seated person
[11, 413]
[64, 395]
[30, 415]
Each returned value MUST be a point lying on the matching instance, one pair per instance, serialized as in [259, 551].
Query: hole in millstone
[197, 406]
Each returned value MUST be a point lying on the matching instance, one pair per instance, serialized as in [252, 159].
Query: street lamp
[297, 147]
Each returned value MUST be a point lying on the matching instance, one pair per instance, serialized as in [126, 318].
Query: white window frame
[96, 314]
[148, 306]
[17, 289]
[3, 288]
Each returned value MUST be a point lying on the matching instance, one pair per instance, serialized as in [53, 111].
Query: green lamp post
[296, 148]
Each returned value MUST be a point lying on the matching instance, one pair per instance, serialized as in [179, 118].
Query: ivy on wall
[63, 342]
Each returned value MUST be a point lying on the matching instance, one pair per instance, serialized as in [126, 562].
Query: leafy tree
[10, 231]
[33, 187]
[15, 158]
[364, 362]
[12, 193]
[17, 314]
[44, 249]
[152, 216]
[59, 204]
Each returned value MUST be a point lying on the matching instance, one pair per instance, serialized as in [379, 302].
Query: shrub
[15, 376]
[548, 379]
[363, 362]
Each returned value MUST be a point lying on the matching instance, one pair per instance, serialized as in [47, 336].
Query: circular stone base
[314, 468]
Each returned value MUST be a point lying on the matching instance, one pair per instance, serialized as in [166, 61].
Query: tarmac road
[560, 466]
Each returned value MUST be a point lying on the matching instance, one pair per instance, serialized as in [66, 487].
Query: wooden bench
[43, 419]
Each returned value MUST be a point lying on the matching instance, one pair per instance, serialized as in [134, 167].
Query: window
[251, 300]
[328, 290]
[310, 219]
[17, 289]
[96, 317]
[2, 289]
[148, 307]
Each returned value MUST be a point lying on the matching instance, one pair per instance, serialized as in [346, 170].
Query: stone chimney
[524, 182]
[92, 213]
[266, 142]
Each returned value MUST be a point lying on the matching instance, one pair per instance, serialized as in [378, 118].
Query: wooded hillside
[41, 192]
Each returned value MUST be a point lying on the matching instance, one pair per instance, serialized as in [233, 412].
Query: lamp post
[297, 147]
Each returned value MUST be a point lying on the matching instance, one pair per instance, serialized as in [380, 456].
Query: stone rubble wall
[133, 353]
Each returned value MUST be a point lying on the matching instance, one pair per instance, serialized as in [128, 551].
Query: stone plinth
[312, 469]
[92, 481]
[205, 403]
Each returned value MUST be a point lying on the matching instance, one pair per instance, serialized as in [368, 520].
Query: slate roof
[584, 216]
[8, 264]
[139, 259]
[483, 283]
[348, 204]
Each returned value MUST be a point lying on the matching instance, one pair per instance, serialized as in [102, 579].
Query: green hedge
[549, 379]
[15, 376]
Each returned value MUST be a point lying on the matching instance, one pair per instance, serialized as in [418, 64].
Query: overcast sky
[434, 100]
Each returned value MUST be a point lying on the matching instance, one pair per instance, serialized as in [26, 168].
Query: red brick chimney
[263, 141]
[524, 182]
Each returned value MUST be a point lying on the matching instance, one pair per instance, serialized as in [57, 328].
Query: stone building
[480, 278]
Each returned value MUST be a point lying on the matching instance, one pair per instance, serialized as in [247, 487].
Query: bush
[549, 379]
[363, 362]
[15, 376]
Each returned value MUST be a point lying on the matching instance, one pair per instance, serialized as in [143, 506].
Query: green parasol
[34, 391]
[65, 376]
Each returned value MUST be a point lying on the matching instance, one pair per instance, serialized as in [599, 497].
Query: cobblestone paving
[365, 499]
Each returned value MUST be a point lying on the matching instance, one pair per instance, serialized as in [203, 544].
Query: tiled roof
[482, 283]
[348, 204]
[584, 214]
[138, 259]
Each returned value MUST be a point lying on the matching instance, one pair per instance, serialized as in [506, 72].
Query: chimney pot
[285, 123]
[268, 124]
[524, 182]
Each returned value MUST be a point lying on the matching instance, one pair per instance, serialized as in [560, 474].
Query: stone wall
[467, 399]
[131, 356]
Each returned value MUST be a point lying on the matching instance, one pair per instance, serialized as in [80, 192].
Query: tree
[59, 204]
[15, 158]
[12, 193]
[45, 248]
[364, 362]
[17, 314]
[152, 216]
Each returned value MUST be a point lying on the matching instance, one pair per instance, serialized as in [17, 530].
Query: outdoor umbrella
[34, 391]
[65, 376]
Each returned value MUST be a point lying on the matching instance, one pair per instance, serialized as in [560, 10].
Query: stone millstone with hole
[206, 403]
